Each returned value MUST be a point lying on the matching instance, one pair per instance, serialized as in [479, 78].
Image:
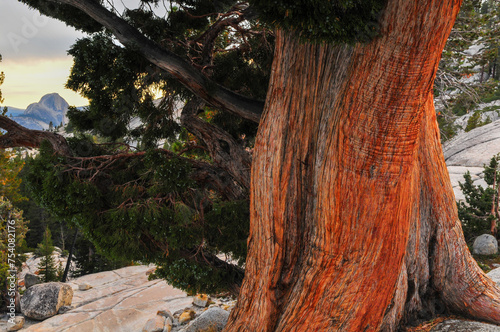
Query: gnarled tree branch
[195, 81]
[223, 148]
[19, 136]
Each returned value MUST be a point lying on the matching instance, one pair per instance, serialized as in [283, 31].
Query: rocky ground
[459, 325]
[121, 300]
[125, 300]
[470, 152]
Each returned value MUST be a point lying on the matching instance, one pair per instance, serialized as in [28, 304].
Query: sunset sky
[34, 52]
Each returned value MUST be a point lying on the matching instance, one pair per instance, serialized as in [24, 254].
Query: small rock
[58, 250]
[495, 275]
[485, 244]
[165, 313]
[155, 324]
[31, 279]
[168, 325]
[151, 271]
[201, 300]
[65, 309]
[212, 320]
[15, 324]
[44, 300]
[179, 312]
[186, 316]
[84, 287]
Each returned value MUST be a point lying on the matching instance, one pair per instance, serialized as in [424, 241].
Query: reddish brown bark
[353, 220]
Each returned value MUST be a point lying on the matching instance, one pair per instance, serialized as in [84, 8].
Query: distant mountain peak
[51, 108]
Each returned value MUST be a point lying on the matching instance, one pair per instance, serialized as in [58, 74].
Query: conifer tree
[480, 211]
[48, 269]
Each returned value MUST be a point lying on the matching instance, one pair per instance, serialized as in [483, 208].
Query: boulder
[456, 325]
[169, 323]
[485, 244]
[212, 320]
[44, 300]
[155, 324]
[495, 275]
[186, 316]
[201, 300]
[165, 313]
[31, 279]
[15, 323]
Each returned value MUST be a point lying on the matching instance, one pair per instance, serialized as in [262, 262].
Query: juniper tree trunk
[353, 219]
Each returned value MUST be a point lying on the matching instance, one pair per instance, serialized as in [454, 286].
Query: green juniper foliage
[134, 213]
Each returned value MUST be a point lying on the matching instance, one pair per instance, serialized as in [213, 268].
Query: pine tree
[467, 73]
[480, 211]
[48, 269]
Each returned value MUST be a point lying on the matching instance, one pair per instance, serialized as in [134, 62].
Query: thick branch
[224, 149]
[199, 84]
[19, 136]
[207, 39]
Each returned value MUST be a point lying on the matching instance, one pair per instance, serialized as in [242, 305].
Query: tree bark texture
[353, 219]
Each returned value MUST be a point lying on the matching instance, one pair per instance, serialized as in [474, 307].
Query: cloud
[24, 33]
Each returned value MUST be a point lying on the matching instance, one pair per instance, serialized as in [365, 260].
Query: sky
[34, 55]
